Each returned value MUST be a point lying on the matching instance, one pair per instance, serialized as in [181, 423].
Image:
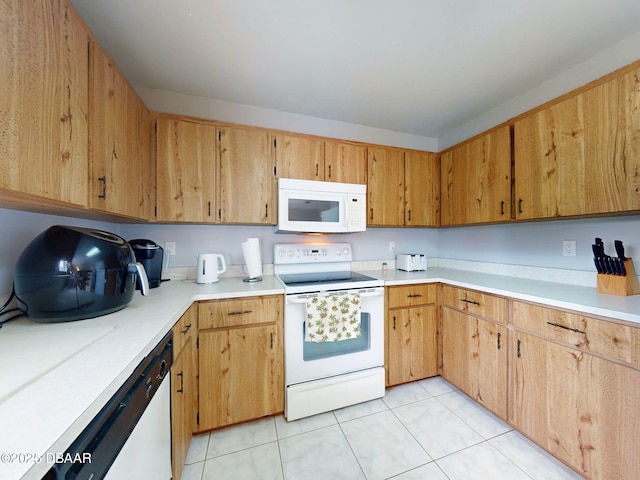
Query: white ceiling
[422, 67]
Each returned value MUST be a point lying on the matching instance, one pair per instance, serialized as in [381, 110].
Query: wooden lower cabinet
[474, 358]
[182, 389]
[580, 407]
[241, 365]
[411, 333]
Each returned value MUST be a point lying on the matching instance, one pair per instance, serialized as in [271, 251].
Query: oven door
[306, 361]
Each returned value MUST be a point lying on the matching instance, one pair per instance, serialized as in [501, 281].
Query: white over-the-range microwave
[309, 206]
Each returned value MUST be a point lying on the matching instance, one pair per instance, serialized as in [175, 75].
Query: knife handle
[620, 250]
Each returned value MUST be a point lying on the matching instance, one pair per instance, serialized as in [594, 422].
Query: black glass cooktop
[322, 278]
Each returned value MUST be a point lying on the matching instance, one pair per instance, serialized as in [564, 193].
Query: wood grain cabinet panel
[476, 180]
[186, 171]
[421, 189]
[385, 187]
[345, 162]
[119, 142]
[299, 157]
[240, 364]
[411, 333]
[474, 358]
[44, 99]
[580, 407]
[183, 378]
[475, 303]
[581, 156]
[247, 176]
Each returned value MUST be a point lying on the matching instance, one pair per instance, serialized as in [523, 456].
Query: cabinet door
[475, 358]
[181, 408]
[421, 189]
[412, 344]
[549, 166]
[476, 180]
[385, 187]
[241, 375]
[247, 176]
[581, 408]
[581, 156]
[44, 71]
[186, 159]
[117, 150]
[299, 157]
[345, 163]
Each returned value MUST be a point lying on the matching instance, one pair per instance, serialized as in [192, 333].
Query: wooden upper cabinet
[44, 97]
[186, 171]
[299, 157]
[247, 176]
[581, 156]
[421, 189]
[385, 187]
[119, 141]
[345, 162]
[476, 180]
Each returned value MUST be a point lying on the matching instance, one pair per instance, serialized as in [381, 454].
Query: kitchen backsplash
[535, 244]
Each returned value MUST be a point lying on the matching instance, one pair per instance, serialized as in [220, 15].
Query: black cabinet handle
[103, 180]
[329, 171]
[502, 207]
[242, 312]
[566, 328]
[409, 213]
[519, 205]
[518, 354]
[414, 295]
[470, 301]
[186, 329]
[271, 340]
[499, 340]
[181, 389]
[394, 323]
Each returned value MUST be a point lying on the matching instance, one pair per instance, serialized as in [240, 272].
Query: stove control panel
[289, 253]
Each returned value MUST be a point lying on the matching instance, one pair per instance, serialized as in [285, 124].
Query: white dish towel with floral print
[332, 318]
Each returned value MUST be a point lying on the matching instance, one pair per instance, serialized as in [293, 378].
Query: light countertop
[59, 376]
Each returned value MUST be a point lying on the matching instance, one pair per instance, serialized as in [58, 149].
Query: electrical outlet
[392, 246]
[170, 248]
[569, 248]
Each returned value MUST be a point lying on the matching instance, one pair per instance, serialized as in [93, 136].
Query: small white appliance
[411, 263]
[210, 266]
[309, 206]
[320, 375]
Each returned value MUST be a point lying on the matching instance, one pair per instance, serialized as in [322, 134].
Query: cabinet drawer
[239, 311]
[615, 340]
[475, 303]
[183, 330]
[410, 295]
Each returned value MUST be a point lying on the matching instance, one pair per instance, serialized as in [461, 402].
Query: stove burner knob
[345, 251]
[338, 252]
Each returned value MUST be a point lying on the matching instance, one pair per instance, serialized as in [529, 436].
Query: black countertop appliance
[150, 255]
[72, 273]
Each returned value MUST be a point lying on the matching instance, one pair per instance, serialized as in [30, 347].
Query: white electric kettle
[208, 267]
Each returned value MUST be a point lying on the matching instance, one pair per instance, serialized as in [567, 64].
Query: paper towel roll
[252, 257]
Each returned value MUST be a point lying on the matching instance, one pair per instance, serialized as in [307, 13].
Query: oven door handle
[302, 298]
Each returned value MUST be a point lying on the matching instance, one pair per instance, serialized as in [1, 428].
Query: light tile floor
[421, 430]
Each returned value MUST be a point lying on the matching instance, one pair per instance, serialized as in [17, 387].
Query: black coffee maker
[150, 255]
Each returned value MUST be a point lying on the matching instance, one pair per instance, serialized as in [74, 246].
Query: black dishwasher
[91, 455]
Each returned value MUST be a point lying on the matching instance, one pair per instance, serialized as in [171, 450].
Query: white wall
[618, 56]
[164, 101]
[540, 243]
